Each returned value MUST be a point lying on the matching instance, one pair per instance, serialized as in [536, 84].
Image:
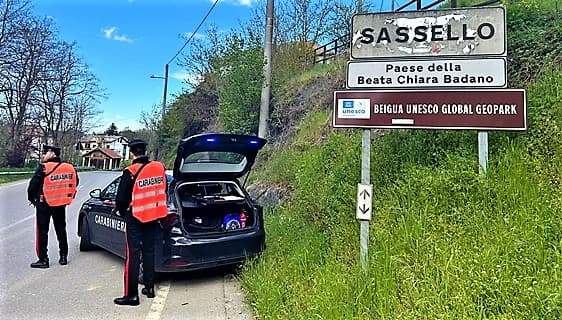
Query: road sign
[364, 201]
[454, 32]
[499, 109]
[436, 73]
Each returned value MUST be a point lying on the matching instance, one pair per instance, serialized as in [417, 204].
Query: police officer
[50, 190]
[141, 200]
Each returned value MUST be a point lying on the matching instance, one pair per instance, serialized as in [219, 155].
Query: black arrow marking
[363, 209]
[365, 194]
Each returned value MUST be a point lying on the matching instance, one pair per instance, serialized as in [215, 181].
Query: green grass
[445, 242]
[25, 169]
[13, 177]
[16, 177]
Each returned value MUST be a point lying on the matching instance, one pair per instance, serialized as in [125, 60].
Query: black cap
[138, 146]
[47, 148]
[135, 143]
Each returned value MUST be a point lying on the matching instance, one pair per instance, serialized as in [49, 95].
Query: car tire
[85, 244]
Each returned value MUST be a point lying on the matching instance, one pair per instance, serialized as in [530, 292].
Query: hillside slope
[445, 243]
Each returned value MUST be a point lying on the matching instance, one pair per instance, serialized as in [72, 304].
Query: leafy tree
[240, 83]
[128, 133]
[112, 130]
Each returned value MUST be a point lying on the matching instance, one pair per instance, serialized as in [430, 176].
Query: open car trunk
[213, 207]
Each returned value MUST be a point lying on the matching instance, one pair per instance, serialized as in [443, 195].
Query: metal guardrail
[340, 45]
[331, 49]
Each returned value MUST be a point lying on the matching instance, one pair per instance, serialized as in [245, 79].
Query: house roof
[108, 152]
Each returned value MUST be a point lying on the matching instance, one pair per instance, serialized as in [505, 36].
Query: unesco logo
[348, 105]
[354, 109]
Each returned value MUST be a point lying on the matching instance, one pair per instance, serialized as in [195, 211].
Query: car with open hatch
[212, 220]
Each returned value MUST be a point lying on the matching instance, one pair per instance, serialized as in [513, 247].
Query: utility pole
[165, 78]
[392, 2]
[165, 91]
[266, 89]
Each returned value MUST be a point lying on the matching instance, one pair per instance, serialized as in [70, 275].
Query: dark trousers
[44, 213]
[140, 238]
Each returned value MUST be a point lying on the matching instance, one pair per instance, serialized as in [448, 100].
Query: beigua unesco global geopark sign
[436, 33]
[502, 109]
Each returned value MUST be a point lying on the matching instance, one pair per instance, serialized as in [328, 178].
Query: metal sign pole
[365, 179]
[483, 151]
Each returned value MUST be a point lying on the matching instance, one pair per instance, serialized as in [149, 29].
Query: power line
[195, 32]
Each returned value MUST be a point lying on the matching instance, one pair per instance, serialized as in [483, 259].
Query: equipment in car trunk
[243, 218]
[231, 221]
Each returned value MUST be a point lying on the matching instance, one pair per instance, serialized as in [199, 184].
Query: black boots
[127, 301]
[44, 263]
[148, 292]
[41, 263]
[134, 300]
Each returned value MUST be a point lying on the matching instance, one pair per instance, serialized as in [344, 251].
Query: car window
[213, 161]
[110, 192]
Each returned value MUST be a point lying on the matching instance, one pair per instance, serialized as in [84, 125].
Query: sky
[126, 41]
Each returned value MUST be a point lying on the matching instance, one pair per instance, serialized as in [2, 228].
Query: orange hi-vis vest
[59, 184]
[149, 191]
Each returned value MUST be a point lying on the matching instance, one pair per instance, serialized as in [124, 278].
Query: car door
[109, 228]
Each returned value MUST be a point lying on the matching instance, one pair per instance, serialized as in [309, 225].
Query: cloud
[246, 3]
[186, 76]
[197, 36]
[111, 33]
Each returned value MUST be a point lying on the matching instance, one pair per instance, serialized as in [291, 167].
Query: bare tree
[29, 57]
[12, 13]
[67, 84]
[199, 59]
[340, 18]
[46, 91]
[305, 20]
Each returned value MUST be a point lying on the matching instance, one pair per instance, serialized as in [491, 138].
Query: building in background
[105, 152]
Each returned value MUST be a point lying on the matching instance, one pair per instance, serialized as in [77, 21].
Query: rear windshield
[215, 157]
[214, 161]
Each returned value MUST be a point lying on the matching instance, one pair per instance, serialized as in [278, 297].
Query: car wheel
[85, 244]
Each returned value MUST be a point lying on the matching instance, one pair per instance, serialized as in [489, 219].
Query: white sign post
[364, 199]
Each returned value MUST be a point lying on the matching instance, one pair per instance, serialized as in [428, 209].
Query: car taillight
[176, 262]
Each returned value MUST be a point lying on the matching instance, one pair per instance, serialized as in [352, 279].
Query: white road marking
[159, 301]
[17, 222]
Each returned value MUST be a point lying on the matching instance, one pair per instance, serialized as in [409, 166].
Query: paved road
[85, 288]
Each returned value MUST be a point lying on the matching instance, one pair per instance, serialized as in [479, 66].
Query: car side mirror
[96, 193]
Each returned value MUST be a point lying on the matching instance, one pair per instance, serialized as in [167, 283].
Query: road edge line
[159, 301]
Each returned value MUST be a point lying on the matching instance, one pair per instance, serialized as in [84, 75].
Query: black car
[212, 221]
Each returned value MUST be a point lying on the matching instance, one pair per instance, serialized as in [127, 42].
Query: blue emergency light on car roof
[254, 142]
[211, 139]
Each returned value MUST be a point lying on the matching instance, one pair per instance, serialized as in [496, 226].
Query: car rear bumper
[187, 254]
